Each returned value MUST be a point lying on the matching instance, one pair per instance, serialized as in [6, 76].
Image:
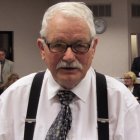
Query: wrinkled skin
[69, 30]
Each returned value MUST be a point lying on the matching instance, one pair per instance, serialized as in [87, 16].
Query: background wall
[24, 18]
[112, 51]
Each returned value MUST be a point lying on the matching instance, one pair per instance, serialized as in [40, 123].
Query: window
[101, 10]
[135, 10]
[6, 42]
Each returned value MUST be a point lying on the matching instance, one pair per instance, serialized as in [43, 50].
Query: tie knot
[65, 96]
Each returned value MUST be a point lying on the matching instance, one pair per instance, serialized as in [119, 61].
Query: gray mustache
[64, 64]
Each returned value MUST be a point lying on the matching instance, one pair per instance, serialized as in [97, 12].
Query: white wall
[24, 18]
[112, 51]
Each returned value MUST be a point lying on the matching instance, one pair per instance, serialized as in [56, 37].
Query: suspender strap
[32, 106]
[102, 107]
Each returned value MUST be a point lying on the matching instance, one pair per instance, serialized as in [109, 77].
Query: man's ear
[40, 44]
[41, 47]
[93, 46]
[94, 43]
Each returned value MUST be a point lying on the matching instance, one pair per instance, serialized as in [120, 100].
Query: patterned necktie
[62, 123]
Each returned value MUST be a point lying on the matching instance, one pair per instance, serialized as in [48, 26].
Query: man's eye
[82, 46]
[58, 45]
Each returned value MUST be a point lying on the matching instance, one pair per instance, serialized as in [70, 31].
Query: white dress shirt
[124, 110]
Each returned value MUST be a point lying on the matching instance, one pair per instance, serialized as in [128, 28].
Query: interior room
[70, 100]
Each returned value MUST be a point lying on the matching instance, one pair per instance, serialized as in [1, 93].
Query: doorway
[6, 42]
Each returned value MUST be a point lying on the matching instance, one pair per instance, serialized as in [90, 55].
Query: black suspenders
[102, 107]
[32, 106]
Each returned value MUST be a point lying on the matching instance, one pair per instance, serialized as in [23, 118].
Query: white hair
[71, 9]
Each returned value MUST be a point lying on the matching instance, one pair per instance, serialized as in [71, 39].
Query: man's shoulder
[118, 92]
[21, 85]
[113, 82]
[19, 90]
[9, 61]
[26, 80]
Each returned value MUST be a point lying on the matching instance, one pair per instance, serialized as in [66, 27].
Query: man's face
[69, 31]
[2, 55]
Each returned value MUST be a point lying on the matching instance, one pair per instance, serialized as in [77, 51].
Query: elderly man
[67, 108]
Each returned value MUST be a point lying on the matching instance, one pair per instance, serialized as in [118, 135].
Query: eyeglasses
[61, 47]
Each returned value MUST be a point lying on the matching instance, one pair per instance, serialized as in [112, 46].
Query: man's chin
[68, 85]
[69, 81]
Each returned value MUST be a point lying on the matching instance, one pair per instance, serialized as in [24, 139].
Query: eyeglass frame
[68, 46]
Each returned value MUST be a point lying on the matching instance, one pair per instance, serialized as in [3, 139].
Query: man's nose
[69, 55]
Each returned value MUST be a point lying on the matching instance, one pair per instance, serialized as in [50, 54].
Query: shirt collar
[81, 93]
